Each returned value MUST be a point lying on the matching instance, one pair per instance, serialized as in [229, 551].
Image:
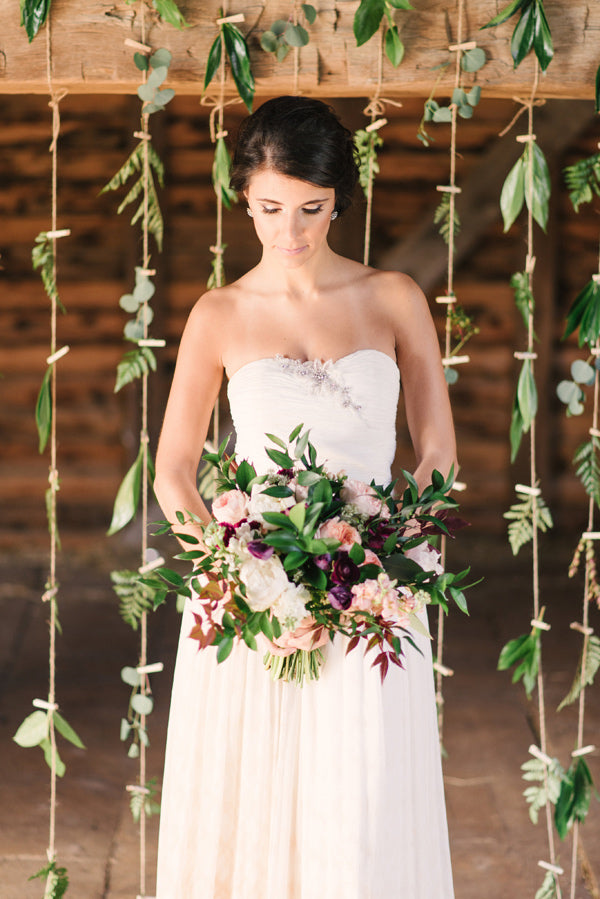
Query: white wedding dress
[329, 791]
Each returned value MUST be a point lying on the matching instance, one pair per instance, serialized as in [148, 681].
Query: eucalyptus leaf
[282, 51]
[278, 27]
[466, 111]
[458, 96]
[268, 41]
[296, 36]
[157, 76]
[450, 374]
[161, 57]
[129, 303]
[43, 410]
[474, 95]
[145, 92]
[442, 114]
[582, 372]
[141, 61]
[131, 676]
[133, 330]
[473, 60]
[33, 730]
[142, 704]
[310, 12]
[567, 391]
[161, 98]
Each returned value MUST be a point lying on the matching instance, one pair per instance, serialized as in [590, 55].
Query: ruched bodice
[349, 404]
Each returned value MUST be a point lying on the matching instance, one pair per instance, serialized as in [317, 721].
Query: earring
[249, 212]
[334, 215]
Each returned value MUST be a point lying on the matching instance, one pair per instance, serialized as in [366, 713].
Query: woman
[333, 790]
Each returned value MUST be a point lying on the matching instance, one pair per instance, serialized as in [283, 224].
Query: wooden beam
[88, 53]
[424, 255]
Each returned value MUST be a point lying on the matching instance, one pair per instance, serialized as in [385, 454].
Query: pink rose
[306, 636]
[372, 558]
[426, 556]
[335, 529]
[364, 498]
[230, 507]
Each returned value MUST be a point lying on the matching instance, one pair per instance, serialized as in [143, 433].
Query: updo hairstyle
[299, 137]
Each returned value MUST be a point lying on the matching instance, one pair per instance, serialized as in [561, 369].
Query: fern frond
[42, 257]
[132, 164]
[583, 180]
[522, 519]
[135, 597]
[441, 217]
[592, 664]
[144, 799]
[547, 788]
[134, 364]
[549, 888]
[588, 467]
[367, 143]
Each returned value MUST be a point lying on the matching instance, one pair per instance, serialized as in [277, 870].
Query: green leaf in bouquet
[277, 490]
[400, 567]
[308, 478]
[390, 543]
[266, 625]
[286, 541]
[281, 459]
[278, 441]
[369, 572]
[279, 520]
[318, 547]
[244, 475]
[294, 560]
[301, 445]
[297, 515]
[315, 577]
[357, 553]
[249, 638]
[225, 647]
[321, 493]
[294, 433]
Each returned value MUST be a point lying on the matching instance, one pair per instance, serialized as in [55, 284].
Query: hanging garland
[41, 727]
[34, 14]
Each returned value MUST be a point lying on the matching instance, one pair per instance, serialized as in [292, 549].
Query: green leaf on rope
[133, 164]
[33, 730]
[239, 60]
[57, 880]
[524, 652]
[394, 48]
[512, 196]
[585, 315]
[134, 364]
[367, 19]
[575, 795]
[547, 788]
[128, 495]
[220, 174]
[296, 35]
[597, 97]
[523, 517]
[531, 31]
[42, 257]
[518, 190]
[33, 15]
[43, 410]
[145, 799]
[524, 407]
[214, 60]
[587, 462]
[524, 300]
[367, 144]
[584, 677]
[310, 13]
[170, 12]
[583, 179]
[549, 888]
[441, 217]
[473, 60]
[135, 598]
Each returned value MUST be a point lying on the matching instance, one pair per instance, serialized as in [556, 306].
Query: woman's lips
[291, 252]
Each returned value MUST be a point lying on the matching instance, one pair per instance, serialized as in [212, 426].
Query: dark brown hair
[300, 137]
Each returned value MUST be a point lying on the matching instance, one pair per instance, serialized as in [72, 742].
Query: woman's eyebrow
[279, 203]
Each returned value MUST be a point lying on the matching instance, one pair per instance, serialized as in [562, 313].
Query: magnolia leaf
[367, 19]
[473, 60]
[128, 495]
[584, 677]
[170, 12]
[33, 15]
[513, 194]
[394, 48]
[213, 62]
[33, 730]
[542, 39]
[43, 410]
[239, 59]
[522, 38]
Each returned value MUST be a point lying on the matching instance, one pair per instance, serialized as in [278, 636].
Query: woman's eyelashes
[312, 210]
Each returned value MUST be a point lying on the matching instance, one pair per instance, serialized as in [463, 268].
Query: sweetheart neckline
[346, 356]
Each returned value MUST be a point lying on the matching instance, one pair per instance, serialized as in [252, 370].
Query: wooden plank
[89, 54]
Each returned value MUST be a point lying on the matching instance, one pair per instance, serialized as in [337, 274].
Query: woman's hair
[299, 137]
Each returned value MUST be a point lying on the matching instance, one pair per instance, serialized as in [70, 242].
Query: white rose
[290, 607]
[265, 580]
[260, 502]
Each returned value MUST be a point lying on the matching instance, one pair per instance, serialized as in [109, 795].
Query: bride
[332, 790]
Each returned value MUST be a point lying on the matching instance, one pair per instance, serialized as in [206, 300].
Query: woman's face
[291, 217]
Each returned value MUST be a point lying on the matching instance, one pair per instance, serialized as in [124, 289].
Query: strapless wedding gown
[329, 791]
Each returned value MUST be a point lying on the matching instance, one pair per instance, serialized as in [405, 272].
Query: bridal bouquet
[296, 556]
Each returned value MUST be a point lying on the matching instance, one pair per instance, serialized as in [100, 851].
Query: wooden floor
[489, 725]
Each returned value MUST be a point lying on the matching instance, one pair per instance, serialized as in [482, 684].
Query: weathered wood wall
[89, 55]
[98, 430]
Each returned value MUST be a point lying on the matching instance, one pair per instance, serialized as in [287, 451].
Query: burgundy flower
[340, 597]
[378, 534]
[345, 571]
[323, 561]
[259, 550]
[229, 532]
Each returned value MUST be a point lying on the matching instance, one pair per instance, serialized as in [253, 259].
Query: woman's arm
[428, 412]
[195, 388]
